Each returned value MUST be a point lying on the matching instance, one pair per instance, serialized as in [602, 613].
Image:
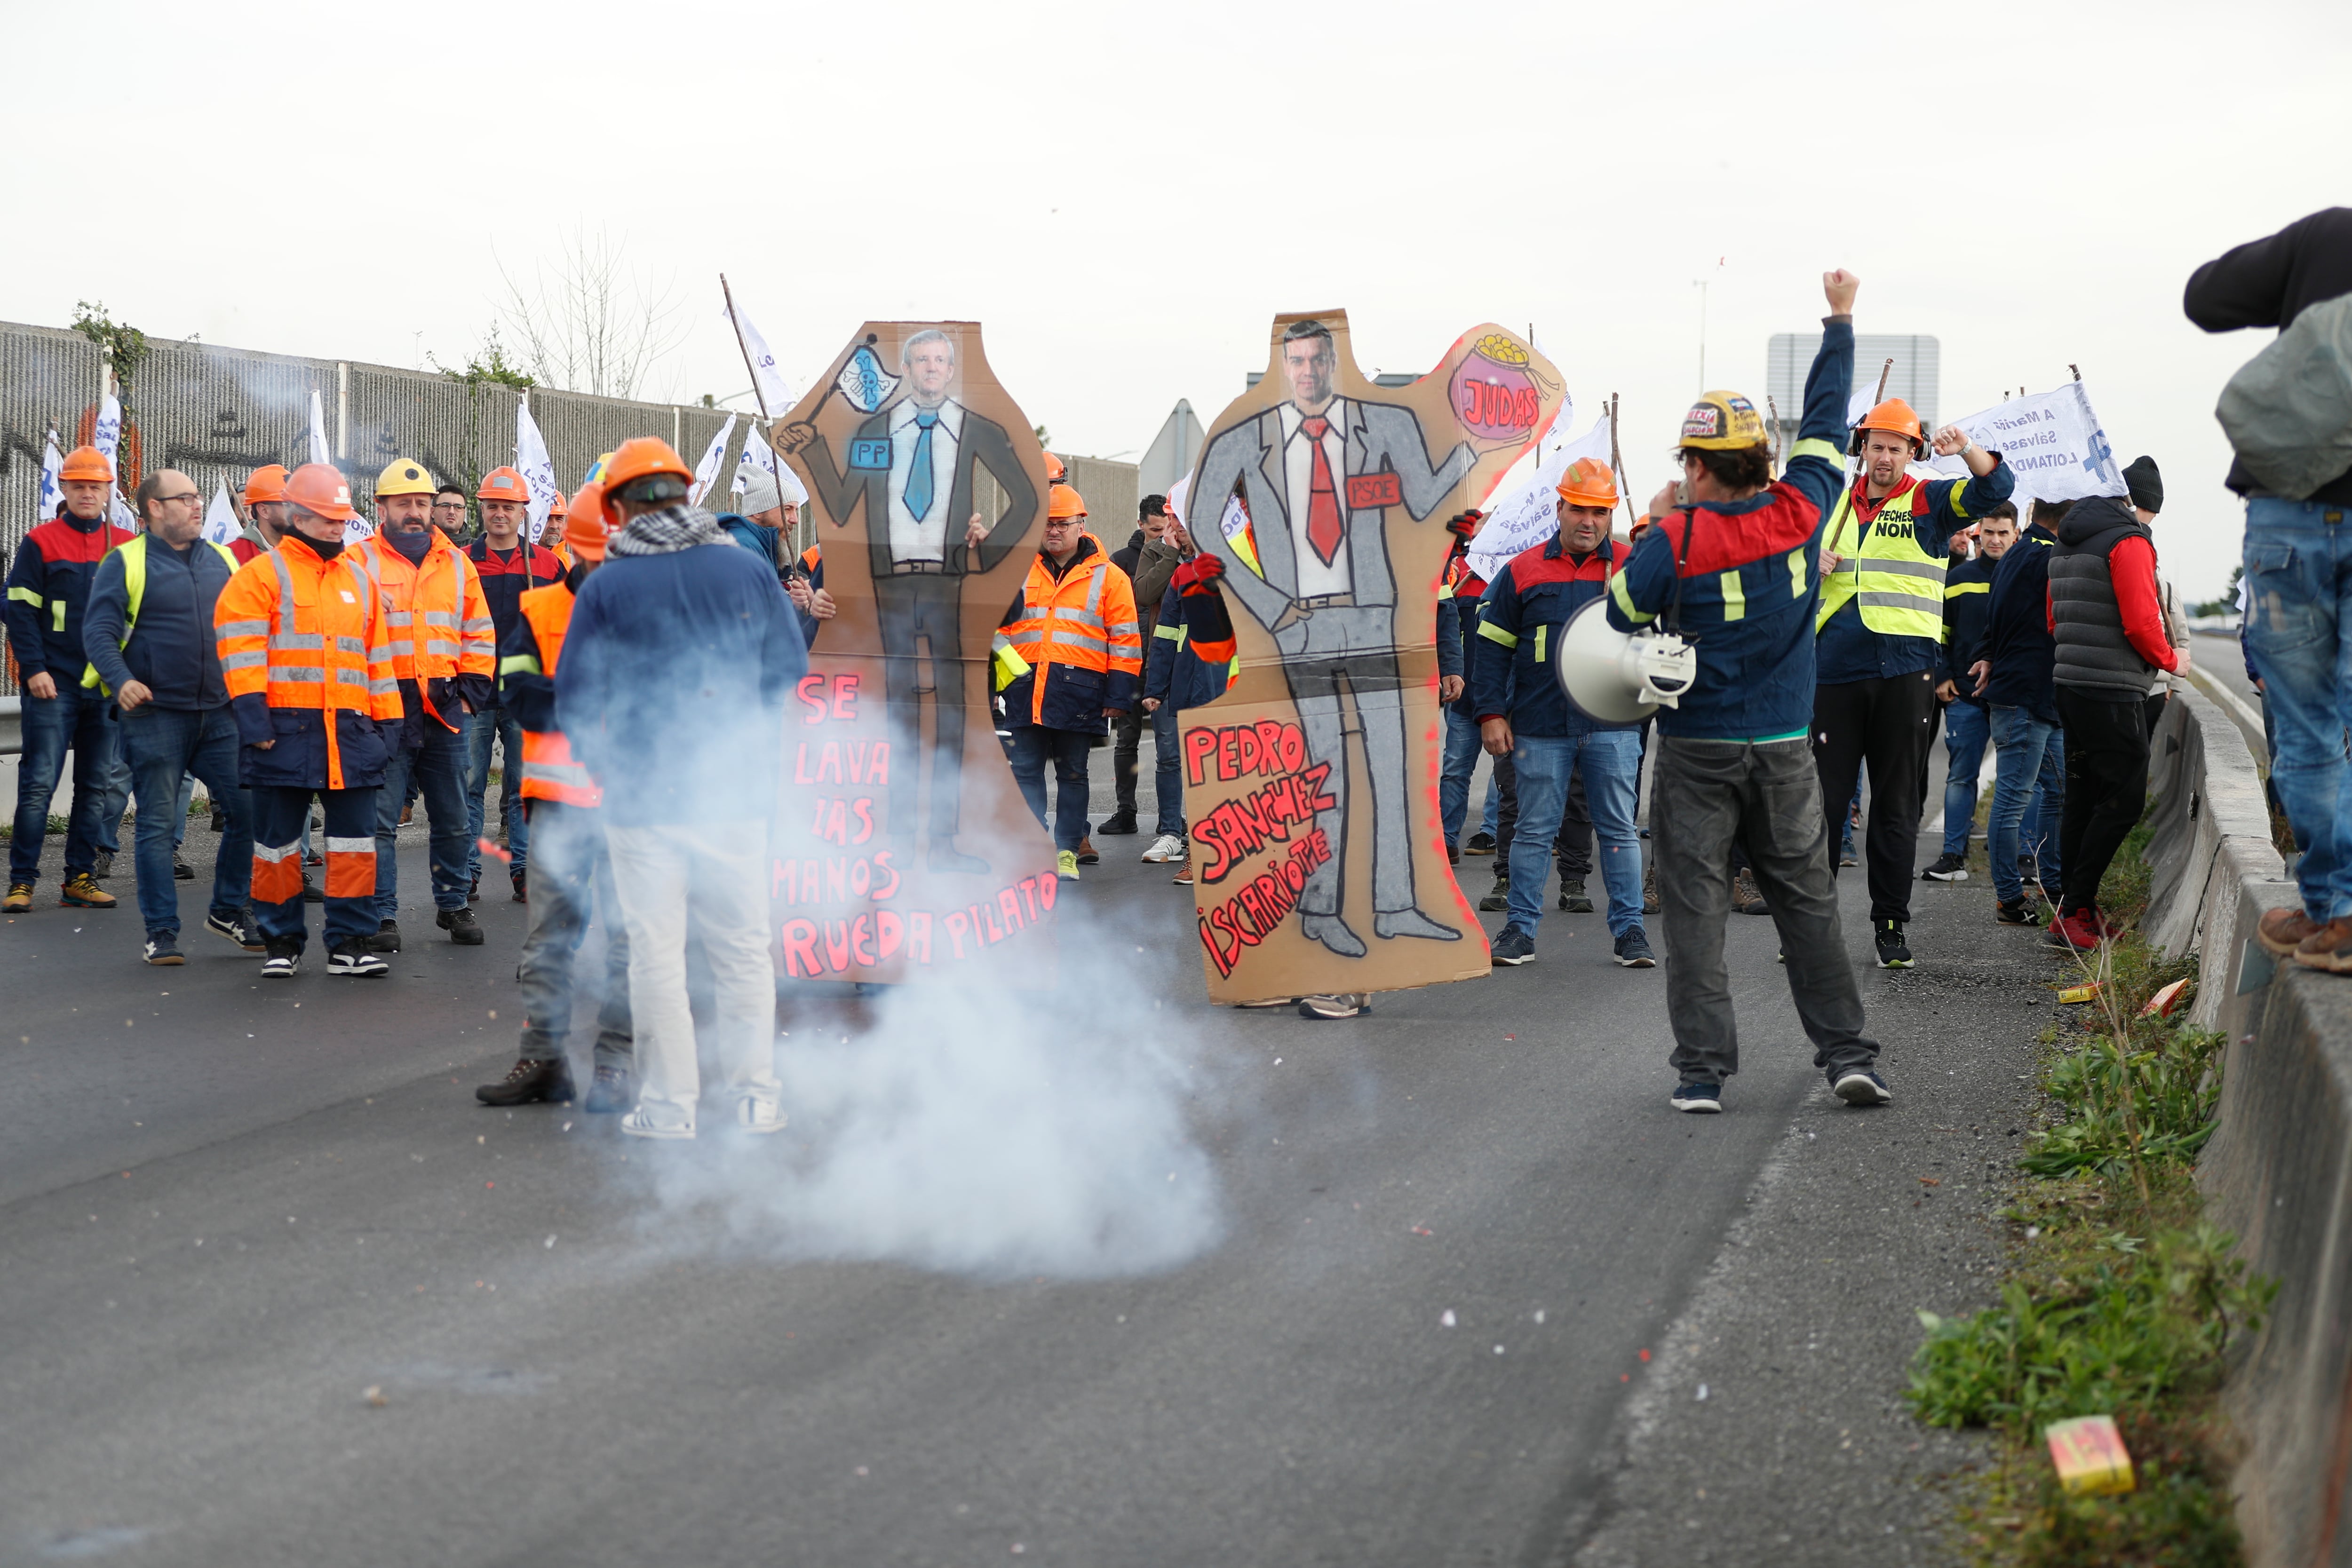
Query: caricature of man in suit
[1316, 474]
[913, 464]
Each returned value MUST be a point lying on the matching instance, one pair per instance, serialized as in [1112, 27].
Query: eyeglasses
[449, 506]
[190, 496]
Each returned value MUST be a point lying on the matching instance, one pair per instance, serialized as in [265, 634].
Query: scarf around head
[673, 527]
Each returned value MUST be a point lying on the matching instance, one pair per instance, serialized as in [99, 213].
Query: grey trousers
[1353, 649]
[1707, 796]
[570, 874]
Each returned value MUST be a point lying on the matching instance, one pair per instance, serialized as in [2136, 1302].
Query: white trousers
[714, 873]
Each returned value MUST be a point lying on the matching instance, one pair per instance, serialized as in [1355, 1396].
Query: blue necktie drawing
[918, 471]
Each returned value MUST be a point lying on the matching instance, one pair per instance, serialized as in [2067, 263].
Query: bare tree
[588, 321]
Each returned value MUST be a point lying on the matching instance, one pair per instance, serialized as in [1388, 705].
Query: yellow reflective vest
[1899, 585]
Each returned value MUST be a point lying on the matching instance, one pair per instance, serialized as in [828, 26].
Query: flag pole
[744, 349]
[1617, 466]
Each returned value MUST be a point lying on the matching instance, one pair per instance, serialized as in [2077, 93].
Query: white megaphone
[1620, 677]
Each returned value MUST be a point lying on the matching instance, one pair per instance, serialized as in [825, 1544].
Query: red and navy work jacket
[506, 579]
[49, 588]
[1515, 656]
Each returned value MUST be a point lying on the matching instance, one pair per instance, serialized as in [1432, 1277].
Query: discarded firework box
[903, 851]
[1311, 785]
[2089, 1455]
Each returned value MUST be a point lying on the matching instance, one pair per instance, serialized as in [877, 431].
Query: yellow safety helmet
[1722, 422]
[402, 477]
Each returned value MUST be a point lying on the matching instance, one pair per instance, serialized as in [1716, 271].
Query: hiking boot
[610, 1092]
[529, 1081]
[19, 899]
[1861, 1086]
[1165, 849]
[180, 870]
[1499, 897]
[521, 889]
[1119, 824]
[1707, 1099]
[1947, 868]
[1086, 854]
[1893, 952]
[84, 892]
[1345, 1005]
[1571, 897]
[354, 957]
[239, 930]
[311, 894]
[2018, 911]
[1065, 865]
[463, 928]
[163, 947]
[2282, 931]
[1481, 843]
[408, 813]
[2328, 949]
[284, 958]
[1514, 947]
[1744, 897]
[387, 936]
[1633, 950]
[103, 866]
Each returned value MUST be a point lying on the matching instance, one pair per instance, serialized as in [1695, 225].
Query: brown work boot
[1087, 855]
[2282, 931]
[84, 892]
[1650, 904]
[2328, 948]
[1745, 898]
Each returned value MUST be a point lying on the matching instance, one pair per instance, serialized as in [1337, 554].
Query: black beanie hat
[2146, 486]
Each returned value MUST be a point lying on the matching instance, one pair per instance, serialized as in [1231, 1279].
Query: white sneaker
[753, 1114]
[1164, 849]
[637, 1125]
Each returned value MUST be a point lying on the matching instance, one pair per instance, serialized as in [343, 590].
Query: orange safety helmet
[1062, 503]
[556, 509]
[1893, 416]
[640, 457]
[585, 527]
[317, 488]
[86, 463]
[265, 485]
[1054, 469]
[1588, 482]
[503, 484]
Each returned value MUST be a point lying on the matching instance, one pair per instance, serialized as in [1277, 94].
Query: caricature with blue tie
[914, 462]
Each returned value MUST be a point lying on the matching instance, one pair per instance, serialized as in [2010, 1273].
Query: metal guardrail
[12, 726]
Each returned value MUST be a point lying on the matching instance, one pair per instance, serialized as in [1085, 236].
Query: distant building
[1173, 451]
[1915, 377]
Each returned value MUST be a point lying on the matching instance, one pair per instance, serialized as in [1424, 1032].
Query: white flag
[106, 434]
[776, 394]
[1524, 517]
[758, 457]
[2051, 441]
[53, 491]
[706, 473]
[221, 526]
[320, 451]
[538, 469]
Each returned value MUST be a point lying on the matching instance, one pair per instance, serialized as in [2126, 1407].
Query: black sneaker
[1119, 824]
[473, 889]
[1947, 868]
[1344, 1005]
[387, 936]
[521, 887]
[285, 958]
[239, 931]
[610, 1093]
[1514, 947]
[463, 928]
[1861, 1086]
[1499, 897]
[1633, 950]
[162, 948]
[180, 870]
[2018, 911]
[355, 958]
[103, 866]
[1571, 897]
[1706, 1099]
[528, 1082]
[1481, 843]
[311, 894]
[1893, 953]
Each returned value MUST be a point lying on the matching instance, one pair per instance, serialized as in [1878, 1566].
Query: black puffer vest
[2094, 654]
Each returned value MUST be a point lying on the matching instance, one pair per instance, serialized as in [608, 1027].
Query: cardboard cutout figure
[905, 847]
[1311, 786]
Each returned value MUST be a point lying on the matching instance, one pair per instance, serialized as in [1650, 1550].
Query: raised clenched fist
[1840, 287]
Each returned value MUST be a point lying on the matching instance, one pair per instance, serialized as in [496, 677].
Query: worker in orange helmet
[1068, 656]
[305, 649]
[508, 566]
[444, 655]
[571, 868]
[265, 509]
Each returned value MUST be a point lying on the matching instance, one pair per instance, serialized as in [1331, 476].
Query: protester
[772, 506]
[2013, 670]
[804, 586]
[1192, 660]
[1880, 624]
[571, 873]
[449, 511]
[508, 566]
[674, 673]
[1968, 725]
[148, 633]
[1150, 559]
[1069, 655]
[265, 508]
[1733, 761]
[2108, 628]
[444, 658]
[48, 589]
[305, 653]
[1524, 715]
[1458, 590]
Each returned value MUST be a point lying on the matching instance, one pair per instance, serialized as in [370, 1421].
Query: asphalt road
[1450, 1231]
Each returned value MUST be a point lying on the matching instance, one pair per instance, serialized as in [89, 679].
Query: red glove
[1199, 575]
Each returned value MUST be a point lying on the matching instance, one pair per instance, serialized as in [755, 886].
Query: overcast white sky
[1123, 196]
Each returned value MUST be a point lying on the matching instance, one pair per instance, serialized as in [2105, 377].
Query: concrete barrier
[2278, 1171]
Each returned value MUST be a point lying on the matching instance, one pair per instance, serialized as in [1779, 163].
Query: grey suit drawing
[1328, 646]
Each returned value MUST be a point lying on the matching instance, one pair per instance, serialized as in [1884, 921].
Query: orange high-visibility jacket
[302, 632]
[548, 771]
[440, 623]
[1076, 644]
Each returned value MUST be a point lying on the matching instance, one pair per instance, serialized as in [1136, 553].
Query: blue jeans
[1454, 773]
[2299, 636]
[163, 746]
[74, 720]
[1612, 760]
[435, 766]
[482, 728]
[1967, 728]
[1167, 775]
[1033, 746]
[2029, 762]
